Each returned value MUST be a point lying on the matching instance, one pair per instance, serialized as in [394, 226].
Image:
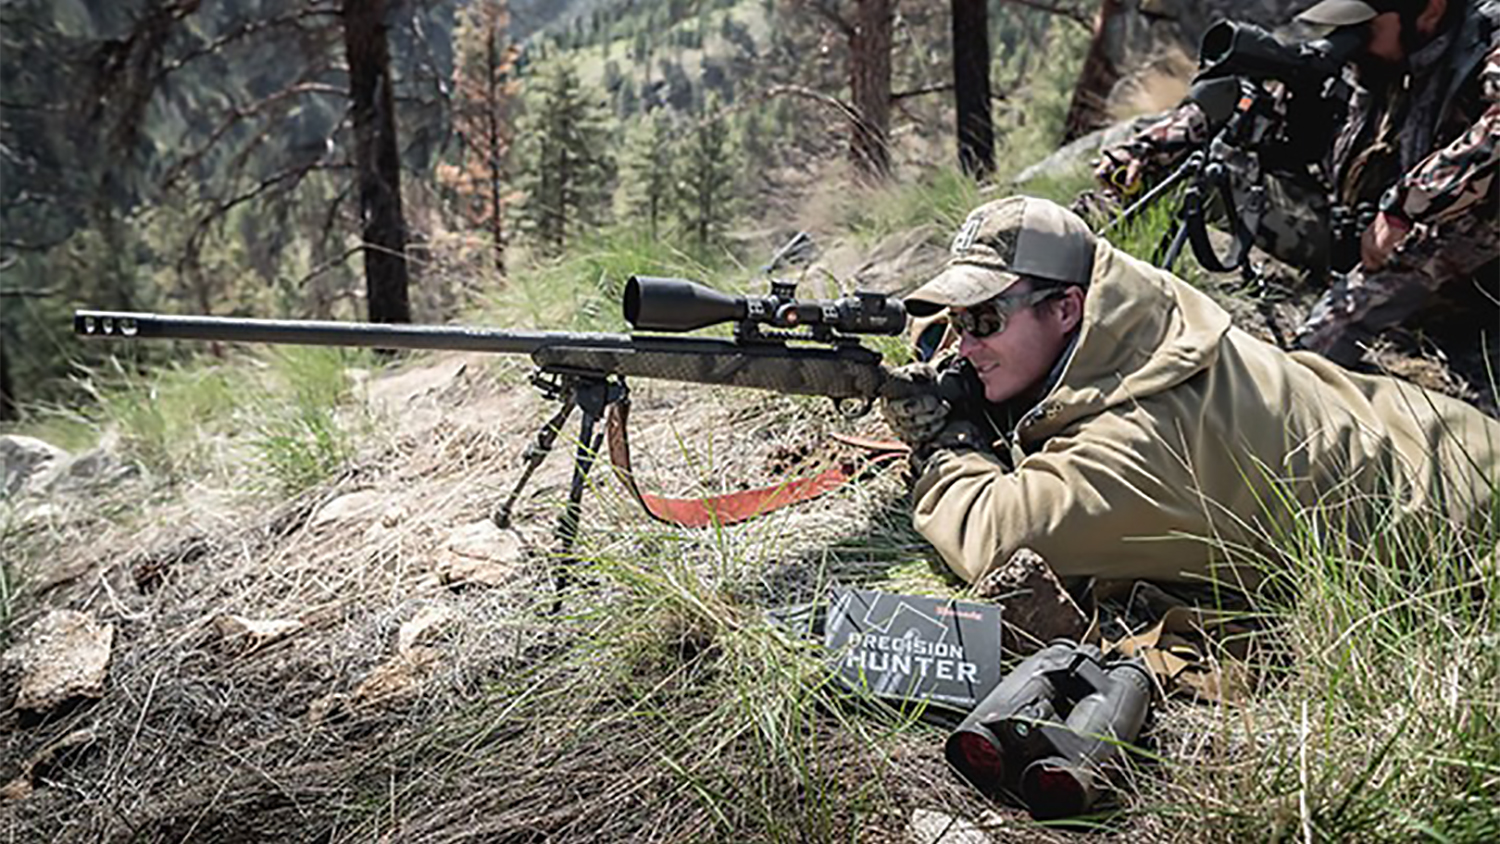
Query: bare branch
[921, 92]
[828, 11]
[245, 30]
[292, 175]
[238, 114]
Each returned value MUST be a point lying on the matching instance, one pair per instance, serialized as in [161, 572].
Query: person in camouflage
[1419, 148]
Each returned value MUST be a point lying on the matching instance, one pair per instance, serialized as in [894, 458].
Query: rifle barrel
[128, 325]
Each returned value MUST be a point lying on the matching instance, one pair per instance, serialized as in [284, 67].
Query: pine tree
[652, 179]
[706, 181]
[568, 166]
[484, 88]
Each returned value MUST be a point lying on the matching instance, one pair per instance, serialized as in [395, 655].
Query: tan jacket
[1172, 435]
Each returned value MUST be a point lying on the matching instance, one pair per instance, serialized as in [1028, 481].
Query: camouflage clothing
[1360, 305]
[1449, 198]
[1424, 147]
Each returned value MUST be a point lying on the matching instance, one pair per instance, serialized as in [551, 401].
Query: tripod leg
[1175, 249]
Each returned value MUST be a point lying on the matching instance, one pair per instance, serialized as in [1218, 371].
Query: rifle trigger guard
[852, 408]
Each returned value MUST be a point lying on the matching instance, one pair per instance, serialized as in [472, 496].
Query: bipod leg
[535, 454]
[593, 395]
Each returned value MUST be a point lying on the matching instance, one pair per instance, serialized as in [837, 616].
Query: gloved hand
[911, 405]
[1119, 170]
[957, 434]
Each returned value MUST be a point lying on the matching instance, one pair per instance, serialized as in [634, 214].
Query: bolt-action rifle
[780, 343]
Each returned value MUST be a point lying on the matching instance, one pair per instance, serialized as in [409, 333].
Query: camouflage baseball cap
[1002, 241]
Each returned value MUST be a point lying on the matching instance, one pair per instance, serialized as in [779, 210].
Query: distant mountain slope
[528, 17]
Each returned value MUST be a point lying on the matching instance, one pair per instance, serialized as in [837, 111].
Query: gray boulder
[27, 464]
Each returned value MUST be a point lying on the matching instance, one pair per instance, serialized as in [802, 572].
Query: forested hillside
[254, 593]
[227, 158]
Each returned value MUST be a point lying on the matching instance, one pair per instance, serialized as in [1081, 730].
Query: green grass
[582, 290]
[185, 420]
[941, 198]
[1062, 187]
[161, 416]
[675, 710]
[11, 579]
[302, 435]
[1378, 713]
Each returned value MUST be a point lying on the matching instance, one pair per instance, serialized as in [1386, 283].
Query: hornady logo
[965, 237]
[969, 614]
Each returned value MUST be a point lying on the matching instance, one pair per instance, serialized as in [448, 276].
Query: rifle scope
[675, 304]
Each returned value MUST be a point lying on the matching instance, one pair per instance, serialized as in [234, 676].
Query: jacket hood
[1143, 331]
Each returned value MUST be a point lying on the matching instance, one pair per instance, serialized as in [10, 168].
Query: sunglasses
[989, 318]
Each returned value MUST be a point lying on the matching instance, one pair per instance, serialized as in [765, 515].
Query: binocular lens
[978, 759]
[1053, 790]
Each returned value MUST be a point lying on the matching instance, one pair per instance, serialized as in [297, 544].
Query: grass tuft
[1378, 714]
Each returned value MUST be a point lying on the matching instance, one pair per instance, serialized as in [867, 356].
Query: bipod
[591, 394]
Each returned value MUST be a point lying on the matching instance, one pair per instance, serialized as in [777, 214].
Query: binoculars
[1051, 727]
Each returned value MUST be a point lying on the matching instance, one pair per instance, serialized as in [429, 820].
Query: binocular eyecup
[1051, 727]
[675, 304]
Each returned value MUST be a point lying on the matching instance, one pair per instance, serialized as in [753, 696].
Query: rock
[246, 635]
[65, 657]
[26, 464]
[929, 827]
[481, 553]
[397, 678]
[91, 469]
[1034, 606]
[1080, 153]
[422, 628]
[355, 506]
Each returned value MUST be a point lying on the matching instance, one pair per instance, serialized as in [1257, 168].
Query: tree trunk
[971, 87]
[379, 162]
[870, 85]
[1088, 109]
[495, 142]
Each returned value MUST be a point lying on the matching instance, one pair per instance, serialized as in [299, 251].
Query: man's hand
[911, 405]
[958, 434]
[1380, 240]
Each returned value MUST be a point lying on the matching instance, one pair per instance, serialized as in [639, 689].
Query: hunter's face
[1013, 362]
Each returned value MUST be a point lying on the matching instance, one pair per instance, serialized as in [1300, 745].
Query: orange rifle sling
[738, 506]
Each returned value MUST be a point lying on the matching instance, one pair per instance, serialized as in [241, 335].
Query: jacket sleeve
[1090, 503]
[1162, 143]
[1458, 177]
